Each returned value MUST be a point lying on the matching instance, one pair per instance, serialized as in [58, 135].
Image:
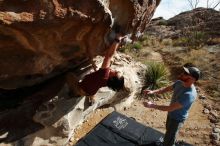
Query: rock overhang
[42, 39]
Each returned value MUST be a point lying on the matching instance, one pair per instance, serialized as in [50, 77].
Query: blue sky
[170, 8]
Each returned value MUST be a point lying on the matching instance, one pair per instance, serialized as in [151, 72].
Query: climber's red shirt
[92, 82]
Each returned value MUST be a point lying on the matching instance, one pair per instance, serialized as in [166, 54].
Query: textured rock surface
[41, 39]
[207, 20]
[200, 19]
[49, 115]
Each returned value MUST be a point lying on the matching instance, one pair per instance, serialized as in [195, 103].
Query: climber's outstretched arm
[110, 52]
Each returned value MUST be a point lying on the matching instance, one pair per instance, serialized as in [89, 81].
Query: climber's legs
[73, 84]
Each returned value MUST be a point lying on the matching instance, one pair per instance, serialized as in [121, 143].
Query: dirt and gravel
[197, 128]
[200, 129]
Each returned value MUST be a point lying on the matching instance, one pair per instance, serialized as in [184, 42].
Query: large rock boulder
[199, 19]
[41, 39]
[49, 115]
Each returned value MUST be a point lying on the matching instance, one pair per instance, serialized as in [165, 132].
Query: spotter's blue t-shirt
[185, 96]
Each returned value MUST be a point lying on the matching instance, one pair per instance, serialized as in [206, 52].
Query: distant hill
[199, 19]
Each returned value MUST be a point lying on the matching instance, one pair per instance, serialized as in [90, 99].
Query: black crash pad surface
[118, 130]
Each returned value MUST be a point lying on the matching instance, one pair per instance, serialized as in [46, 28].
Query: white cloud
[170, 8]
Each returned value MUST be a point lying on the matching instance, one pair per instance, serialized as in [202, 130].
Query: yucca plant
[137, 46]
[156, 75]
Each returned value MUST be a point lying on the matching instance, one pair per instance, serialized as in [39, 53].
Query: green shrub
[167, 42]
[148, 40]
[146, 43]
[197, 39]
[144, 37]
[137, 46]
[182, 41]
[124, 48]
[131, 47]
[163, 22]
[192, 40]
[156, 75]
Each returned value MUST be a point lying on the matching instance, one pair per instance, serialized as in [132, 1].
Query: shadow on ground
[17, 108]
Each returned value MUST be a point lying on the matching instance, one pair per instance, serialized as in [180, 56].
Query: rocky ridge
[200, 19]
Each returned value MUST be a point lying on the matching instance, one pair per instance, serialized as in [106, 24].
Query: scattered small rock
[214, 113]
[70, 144]
[208, 106]
[196, 143]
[217, 126]
[72, 139]
[202, 97]
[215, 136]
[206, 111]
[213, 119]
[212, 125]
[217, 108]
[216, 142]
[216, 130]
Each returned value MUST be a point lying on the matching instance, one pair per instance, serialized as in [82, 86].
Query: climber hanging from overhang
[91, 83]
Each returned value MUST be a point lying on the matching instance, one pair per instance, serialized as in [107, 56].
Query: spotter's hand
[148, 104]
[148, 92]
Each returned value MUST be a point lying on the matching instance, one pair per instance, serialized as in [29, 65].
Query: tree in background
[212, 4]
[209, 3]
[193, 3]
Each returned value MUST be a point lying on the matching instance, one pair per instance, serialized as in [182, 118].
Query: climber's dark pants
[75, 89]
